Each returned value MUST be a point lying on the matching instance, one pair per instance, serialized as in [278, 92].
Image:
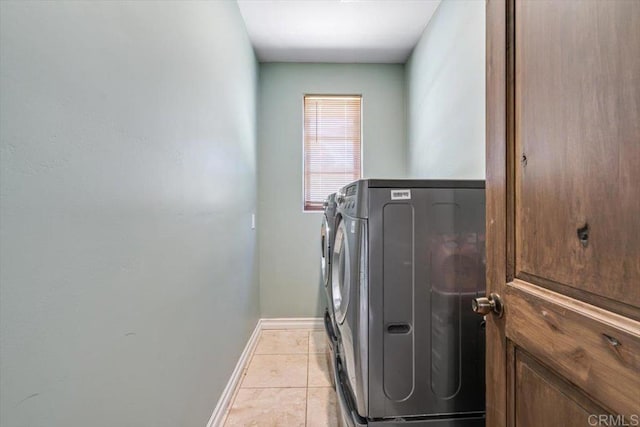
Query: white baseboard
[293, 323]
[224, 403]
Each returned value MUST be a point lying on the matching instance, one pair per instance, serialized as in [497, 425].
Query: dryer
[407, 259]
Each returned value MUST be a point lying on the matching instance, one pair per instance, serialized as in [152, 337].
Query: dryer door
[340, 273]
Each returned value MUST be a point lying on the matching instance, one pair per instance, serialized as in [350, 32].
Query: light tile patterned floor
[287, 383]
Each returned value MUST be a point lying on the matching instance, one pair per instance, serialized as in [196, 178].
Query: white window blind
[332, 145]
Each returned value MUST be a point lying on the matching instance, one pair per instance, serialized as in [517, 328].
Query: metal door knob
[486, 305]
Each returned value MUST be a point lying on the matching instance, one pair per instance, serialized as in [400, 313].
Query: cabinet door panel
[594, 349]
[577, 137]
[546, 400]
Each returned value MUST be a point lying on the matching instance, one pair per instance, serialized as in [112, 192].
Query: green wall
[288, 238]
[131, 140]
[128, 266]
[446, 94]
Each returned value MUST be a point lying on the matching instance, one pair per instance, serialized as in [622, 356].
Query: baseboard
[224, 403]
[293, 323]
[220, 411]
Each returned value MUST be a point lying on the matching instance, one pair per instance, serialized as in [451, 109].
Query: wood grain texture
[563, 145]
[510, 124]
[608, 304]
[563, 405]
[596, 350]
[511, 383]
[578, 144]
[496, 202]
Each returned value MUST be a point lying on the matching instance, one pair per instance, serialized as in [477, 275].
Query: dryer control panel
[351, 201]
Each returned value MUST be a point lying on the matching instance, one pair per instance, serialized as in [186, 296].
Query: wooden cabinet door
[563, 212]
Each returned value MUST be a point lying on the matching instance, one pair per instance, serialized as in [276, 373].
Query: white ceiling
[335, 30]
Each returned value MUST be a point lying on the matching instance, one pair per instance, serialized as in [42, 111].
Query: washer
[407, 259]
[327, 235]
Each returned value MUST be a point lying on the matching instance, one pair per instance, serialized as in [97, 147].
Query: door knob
[485, 305]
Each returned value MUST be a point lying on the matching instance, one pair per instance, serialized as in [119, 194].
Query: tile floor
[287, 383]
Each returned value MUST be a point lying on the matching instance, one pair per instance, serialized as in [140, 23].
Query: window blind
[332, 145]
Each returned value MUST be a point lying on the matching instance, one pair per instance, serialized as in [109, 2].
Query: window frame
[338, 95]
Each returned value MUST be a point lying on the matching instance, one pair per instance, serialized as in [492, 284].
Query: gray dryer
[408, 258]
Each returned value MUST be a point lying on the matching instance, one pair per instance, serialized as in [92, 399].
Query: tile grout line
[270, 387]
[255, 353]
[306, 391]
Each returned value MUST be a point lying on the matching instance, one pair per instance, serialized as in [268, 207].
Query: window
[332, 145]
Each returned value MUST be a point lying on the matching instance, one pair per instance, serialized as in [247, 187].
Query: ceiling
[372, 31]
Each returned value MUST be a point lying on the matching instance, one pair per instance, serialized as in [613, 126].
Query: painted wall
[128, 179]
[289, 238]
[446, 94]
